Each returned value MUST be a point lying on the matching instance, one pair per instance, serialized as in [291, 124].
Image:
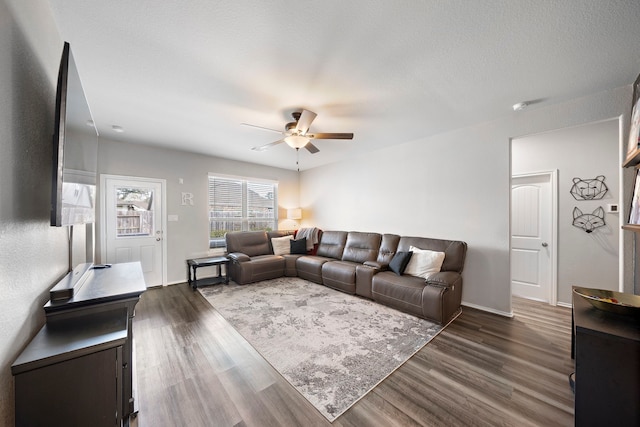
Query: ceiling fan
[296, 133]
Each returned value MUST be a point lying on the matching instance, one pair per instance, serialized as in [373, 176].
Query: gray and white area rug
[332, 347]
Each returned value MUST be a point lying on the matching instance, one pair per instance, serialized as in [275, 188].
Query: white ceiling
[185, 73]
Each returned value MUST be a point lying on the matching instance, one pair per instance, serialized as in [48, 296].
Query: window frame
[244, 219]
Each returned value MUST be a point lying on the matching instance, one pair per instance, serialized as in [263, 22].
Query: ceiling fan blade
[330, 136]
[262, 128]
[267, 146]
[311, 148]
[304, 122]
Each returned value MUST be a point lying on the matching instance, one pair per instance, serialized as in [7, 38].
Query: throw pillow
[424, 263]
[281, 245]
[299, 246]
[399, 262]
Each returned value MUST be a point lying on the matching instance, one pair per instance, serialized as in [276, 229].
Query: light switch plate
[612, 208]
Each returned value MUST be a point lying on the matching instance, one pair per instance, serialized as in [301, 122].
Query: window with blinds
[240, 204]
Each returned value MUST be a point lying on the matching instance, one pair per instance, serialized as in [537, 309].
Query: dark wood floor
[195, 370]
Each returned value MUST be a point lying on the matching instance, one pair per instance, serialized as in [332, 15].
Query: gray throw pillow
[299, 247]
[399, 262]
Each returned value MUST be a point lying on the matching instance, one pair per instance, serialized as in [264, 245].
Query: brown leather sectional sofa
[358, 263]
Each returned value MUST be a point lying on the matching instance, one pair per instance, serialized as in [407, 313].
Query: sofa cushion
[290, 269]
[361, 247]
[298, 246]
[278, 233]
[309, 267]
[455, 251]
[332, 244]
[259, 267]
[414, 295]
[251, 243]
[281, 245]
[340, 275]
[401, 292]
[388, 248]
[399, 262]
[424, 262]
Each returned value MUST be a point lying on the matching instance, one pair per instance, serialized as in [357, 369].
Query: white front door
[531, 237]
[133, 224]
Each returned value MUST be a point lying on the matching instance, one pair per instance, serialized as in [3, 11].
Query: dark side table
[607, 353]
[219, 261]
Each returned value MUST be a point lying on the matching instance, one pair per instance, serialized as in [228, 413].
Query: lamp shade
[296, 141]
[294, 213]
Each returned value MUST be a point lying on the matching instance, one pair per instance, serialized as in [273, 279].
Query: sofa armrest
[442, 296]
[364, 277]
[377, 265]
[445, 279]
[237, 257]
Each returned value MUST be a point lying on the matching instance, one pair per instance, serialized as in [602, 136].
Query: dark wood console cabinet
[606, 347]
[79, 369]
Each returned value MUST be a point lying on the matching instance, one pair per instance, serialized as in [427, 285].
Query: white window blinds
[239, 204]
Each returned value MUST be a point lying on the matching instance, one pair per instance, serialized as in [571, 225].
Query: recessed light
[117, 128]
[520, 106]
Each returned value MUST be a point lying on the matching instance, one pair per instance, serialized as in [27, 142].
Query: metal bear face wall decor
[589, 189]
[588, 222]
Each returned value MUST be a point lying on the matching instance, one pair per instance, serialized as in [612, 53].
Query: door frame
[553, 181]
[163, 207]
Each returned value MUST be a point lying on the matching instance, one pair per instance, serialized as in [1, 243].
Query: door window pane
[134, 211]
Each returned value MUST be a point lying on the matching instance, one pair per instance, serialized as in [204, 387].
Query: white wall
[33, 255]
[455, 186]
[188, 237]
[584, 259]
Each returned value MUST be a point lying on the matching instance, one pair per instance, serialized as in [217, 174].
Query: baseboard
[487, 309]
[179, 282]
[205, 276]
[504, 313]
[176, 282]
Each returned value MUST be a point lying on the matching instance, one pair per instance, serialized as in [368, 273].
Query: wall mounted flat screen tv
[75, 150]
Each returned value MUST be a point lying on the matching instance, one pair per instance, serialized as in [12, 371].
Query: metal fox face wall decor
[588, 222]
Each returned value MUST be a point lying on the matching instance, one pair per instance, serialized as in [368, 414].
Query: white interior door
[134, 224]
[531, 237]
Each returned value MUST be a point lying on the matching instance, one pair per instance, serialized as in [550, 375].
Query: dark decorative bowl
[611, 301]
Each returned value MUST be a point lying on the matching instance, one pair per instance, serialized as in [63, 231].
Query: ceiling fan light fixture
[296, 141]
[296, 133]
[520, 106]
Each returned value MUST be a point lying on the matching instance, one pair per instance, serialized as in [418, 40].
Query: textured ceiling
[185, 73]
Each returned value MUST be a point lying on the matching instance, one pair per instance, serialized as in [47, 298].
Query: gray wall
[33, 255]
[584, 259]
[455, 186]
[188, 237]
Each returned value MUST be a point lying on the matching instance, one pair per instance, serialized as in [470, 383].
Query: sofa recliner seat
[366, 271]
[359, 248]
[330, 248]
[252, 258]
[436, 298]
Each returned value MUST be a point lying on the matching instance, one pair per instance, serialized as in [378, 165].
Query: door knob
[545, 244]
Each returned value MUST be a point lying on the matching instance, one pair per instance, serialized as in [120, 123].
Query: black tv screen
[75, 150]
